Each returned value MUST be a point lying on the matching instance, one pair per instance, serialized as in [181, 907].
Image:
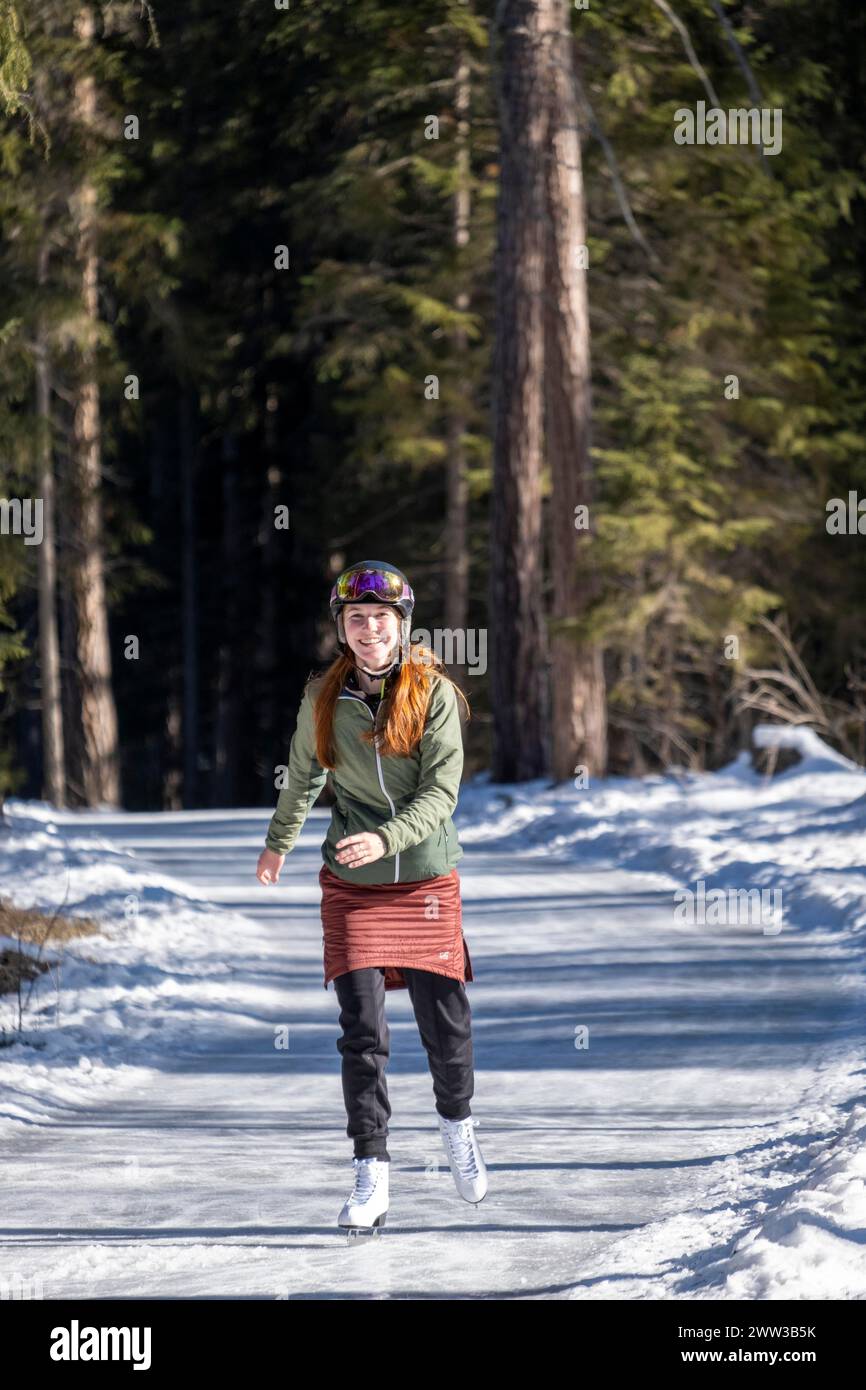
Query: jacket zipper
[374, 718]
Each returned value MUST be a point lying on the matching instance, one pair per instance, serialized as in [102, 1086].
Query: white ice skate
[464, 1156]
[364, 1211]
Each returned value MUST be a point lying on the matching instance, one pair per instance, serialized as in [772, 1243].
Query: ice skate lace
[365, 1182]
[460, 1142]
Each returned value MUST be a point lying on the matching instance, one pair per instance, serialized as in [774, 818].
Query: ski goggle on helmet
[372, 581]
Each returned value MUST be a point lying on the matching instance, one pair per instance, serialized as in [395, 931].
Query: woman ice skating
[384, 721]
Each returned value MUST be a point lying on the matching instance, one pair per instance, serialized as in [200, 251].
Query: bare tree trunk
[578, 709]
[53, 760]
[456, 551]
[517, 645]
[228, 704]
[101, 774]
[172, 778]
[189, 588]
[270, 544]
[73, 736]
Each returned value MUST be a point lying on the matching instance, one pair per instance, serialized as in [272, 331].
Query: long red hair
[405, 704]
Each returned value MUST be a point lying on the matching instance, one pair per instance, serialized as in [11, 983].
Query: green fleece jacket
[409, 801]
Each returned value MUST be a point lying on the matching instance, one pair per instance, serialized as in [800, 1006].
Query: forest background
[285, 286]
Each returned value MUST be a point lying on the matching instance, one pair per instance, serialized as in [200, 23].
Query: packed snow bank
[802, 832]
[810, 1244]
[812, 750]
[118, 998]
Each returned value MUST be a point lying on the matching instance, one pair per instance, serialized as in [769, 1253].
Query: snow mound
[815, 754]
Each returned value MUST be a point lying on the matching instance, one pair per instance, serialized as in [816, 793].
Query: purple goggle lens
[383, 583]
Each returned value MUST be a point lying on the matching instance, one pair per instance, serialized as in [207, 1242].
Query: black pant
[444, 1022]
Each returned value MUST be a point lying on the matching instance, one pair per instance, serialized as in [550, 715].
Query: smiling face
[372, 632]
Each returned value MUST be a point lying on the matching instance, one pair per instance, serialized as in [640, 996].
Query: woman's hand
[268, 867]
[365, 848]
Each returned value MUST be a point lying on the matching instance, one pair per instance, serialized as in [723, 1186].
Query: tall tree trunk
[53, 760]
[517, 646]
[270, 544]
[228, 703]
[73, 734]
[172, 776]
[456, 550]
[578, 709]
[100, 772]
[189, 601]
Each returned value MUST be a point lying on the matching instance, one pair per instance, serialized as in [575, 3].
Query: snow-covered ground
[668, 1079]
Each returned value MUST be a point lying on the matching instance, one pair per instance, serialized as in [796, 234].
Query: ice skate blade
[372, 1230]
[475, 1201]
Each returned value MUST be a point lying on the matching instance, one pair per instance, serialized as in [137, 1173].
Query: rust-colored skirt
[418, 925]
